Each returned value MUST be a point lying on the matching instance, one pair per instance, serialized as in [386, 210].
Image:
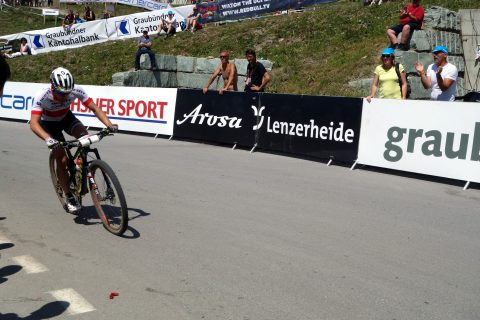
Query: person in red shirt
[411, 18]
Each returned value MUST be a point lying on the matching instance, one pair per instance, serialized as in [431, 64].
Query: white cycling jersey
[50, 109]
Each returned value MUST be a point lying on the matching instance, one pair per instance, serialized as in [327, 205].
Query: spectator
[168, 24]
[78, 19]
[24, 50]
[106, 14]
[89, 14]
[411, 18]
[68, 20]
[228, 71]
[4, 73]
[441, 76]
[257, 76]
[144, 45]
[386, 78]
[192, 20]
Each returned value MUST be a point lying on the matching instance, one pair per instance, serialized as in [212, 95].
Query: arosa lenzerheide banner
[236, 9]
[227, 118]
[429, 137]
[317, 126]
[149, 110]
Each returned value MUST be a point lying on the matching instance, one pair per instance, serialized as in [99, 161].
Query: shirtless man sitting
[228, 71]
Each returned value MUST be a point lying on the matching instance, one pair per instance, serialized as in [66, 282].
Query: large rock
[441, 19]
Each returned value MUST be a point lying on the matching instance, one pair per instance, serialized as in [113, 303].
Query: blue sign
[123, 28]
[37, 41]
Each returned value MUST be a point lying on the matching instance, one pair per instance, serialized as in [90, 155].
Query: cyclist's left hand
[113, 128]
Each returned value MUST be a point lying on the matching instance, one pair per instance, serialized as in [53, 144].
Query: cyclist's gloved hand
[113, 128]
[51, 143]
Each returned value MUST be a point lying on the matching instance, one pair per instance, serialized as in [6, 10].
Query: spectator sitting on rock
[228, 71]
[144, 45]
[168, 24]
[411, 18]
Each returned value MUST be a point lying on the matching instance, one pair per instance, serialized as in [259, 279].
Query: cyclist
[51, 115]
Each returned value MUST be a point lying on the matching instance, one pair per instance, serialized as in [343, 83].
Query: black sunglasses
[386, 56]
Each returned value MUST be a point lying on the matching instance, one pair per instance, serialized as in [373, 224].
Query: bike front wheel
[56, 183]
[108, 197]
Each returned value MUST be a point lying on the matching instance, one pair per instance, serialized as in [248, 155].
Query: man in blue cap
[168, 24]
[441, 76]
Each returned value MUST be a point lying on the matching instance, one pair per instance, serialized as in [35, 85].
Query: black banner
[226, 118]
[213, 11]
[321, 127]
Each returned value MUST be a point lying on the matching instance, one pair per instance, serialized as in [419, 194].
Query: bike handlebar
[86, 140]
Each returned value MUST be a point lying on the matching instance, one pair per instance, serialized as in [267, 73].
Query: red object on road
[113, 295]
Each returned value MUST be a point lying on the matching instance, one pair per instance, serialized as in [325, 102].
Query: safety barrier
[427, 137]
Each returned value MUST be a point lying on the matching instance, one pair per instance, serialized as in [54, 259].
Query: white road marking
[77, 303]
[29, 264]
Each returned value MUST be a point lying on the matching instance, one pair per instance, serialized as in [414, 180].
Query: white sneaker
[73, 205]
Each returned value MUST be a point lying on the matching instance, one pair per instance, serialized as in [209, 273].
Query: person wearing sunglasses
[228, 71]
[386, 79]
[441, 76]
[51, 115]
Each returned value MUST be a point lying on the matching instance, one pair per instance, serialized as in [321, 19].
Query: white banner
[149, 110]
[59, 38]
[146, 4]
[429, 137]
[134, 24]
[92, 32]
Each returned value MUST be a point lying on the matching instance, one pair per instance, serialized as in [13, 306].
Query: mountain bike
[87, 172]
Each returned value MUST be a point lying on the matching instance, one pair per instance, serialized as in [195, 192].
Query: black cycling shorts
[55, 128]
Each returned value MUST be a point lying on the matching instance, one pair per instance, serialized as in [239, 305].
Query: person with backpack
[386, 79]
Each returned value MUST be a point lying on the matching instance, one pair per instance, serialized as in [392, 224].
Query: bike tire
[56, 183]
[108, 197]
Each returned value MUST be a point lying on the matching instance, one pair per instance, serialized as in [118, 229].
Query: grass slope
[315, 52]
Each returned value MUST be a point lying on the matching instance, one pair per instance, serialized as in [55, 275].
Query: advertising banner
[429, 137]
[149, 110]
[92, 32]
[226, 118]
[238, 9]
[146, 4]
[134, 24]
[317, 126]
[59, 38]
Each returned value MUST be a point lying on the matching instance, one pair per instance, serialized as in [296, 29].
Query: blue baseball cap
[170, 12]
[388, 51]
[440, 48]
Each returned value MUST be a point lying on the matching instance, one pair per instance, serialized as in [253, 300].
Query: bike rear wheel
[108, 197]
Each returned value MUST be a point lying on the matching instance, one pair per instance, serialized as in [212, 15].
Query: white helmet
[62, 80]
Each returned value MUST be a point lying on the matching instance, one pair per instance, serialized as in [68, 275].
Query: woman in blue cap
[386, 78]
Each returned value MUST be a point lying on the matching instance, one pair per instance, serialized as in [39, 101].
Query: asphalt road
[224, 234]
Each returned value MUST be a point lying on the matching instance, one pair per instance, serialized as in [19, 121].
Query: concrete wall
[180, 72]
